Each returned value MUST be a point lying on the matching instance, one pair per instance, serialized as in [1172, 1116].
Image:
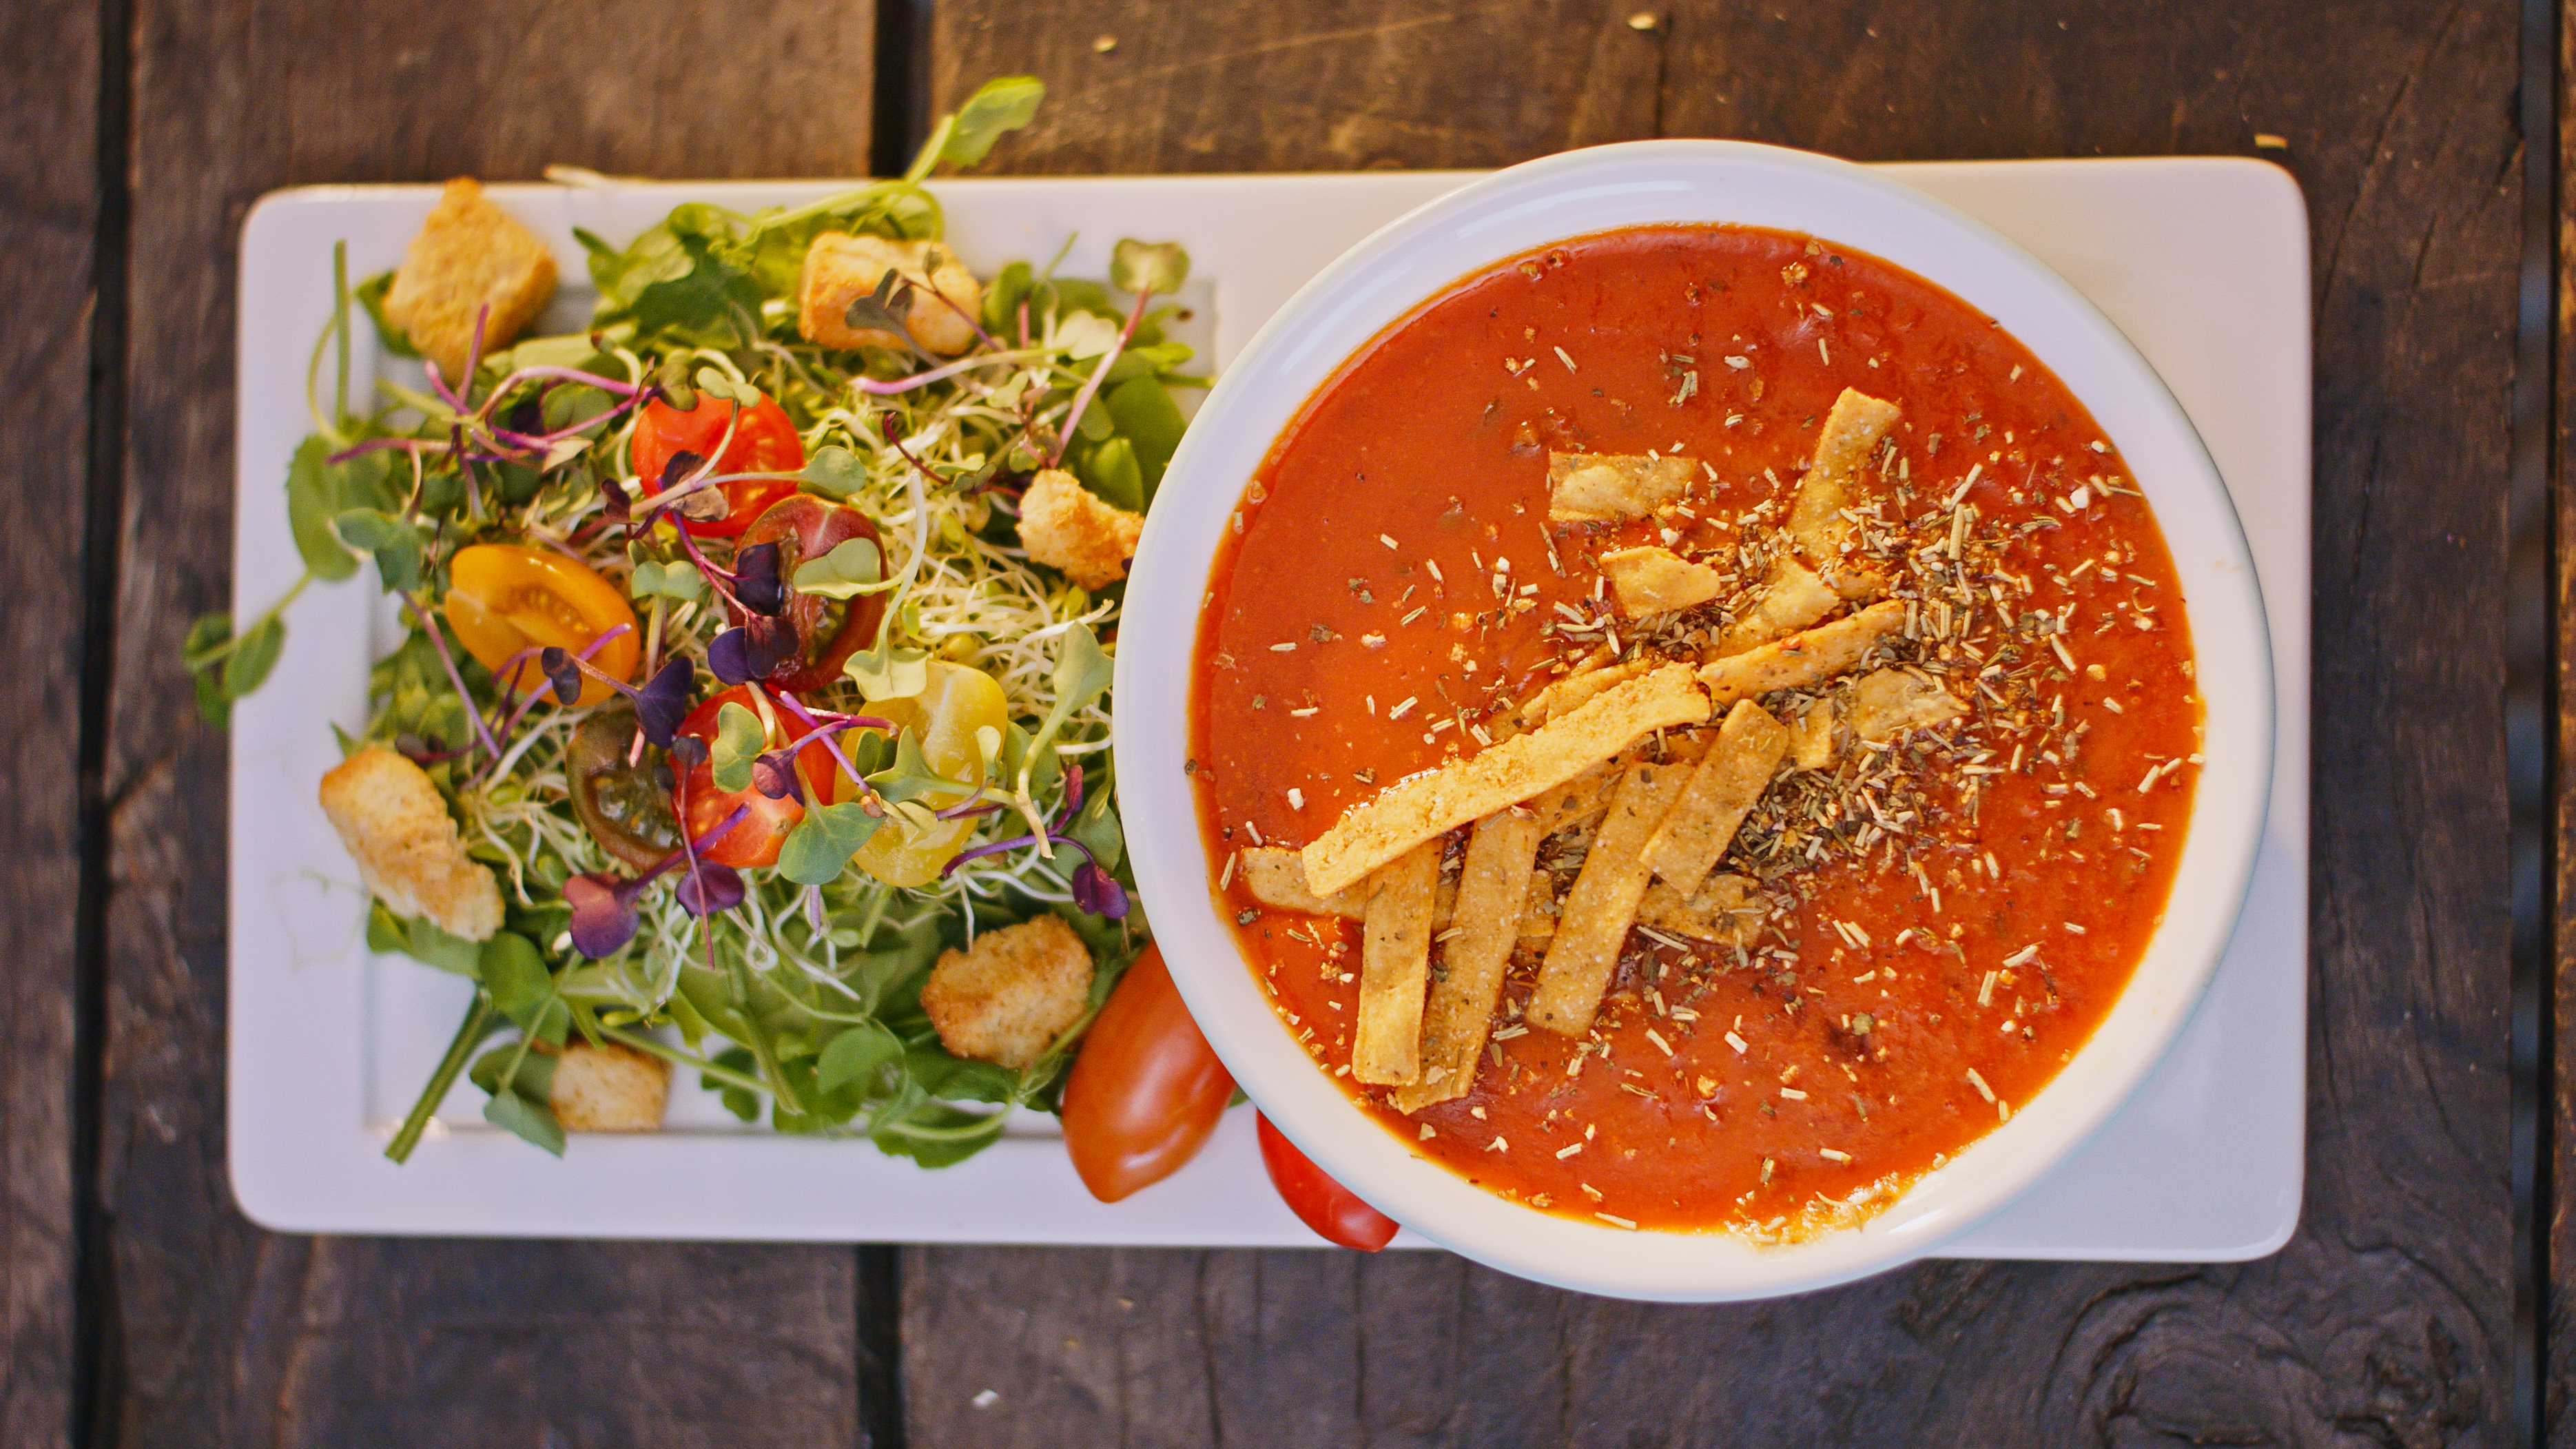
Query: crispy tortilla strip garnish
[1733, 775]
[1803, 660]
[1886, 703]
[1413, 811]
[1658, 580]
[1593, 922]
[1395, 963]
[1793, 597]
[1608, 487]
[1726, 911]
[1538, 910]
[1573, 690]
[1816, 522]
[1490, 892]
[1811, 736]
[1277, 878]
[1576, 802]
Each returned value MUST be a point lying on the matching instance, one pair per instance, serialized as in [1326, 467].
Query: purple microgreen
[1096, 891]
[703, 505]
[664, 701]
[523, 418]
[562, 673]
[739, 656]
[756, 584]
[885, 310]
[815, 730]
[689, 750]
[420, 619]
[603, 919]
[708, 888]
[676, 472]
[774, 775]
[613, 499]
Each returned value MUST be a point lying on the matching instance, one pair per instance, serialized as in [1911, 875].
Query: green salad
[757, 654]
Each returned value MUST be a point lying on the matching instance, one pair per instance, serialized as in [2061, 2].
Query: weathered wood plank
[48, 224]
[2387, 1318]
[230, 1334]
[2556, 1216]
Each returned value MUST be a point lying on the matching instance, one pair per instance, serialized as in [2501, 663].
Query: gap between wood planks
[2530, 694]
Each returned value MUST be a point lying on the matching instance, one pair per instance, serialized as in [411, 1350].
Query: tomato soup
[1931, 921]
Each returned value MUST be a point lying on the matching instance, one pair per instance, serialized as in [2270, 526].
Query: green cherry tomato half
[1335, 1212]
[1146, 1091]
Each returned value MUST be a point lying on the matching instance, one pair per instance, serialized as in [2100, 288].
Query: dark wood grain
[48, 222]
[228, 1334]
[2387, 1319]
[2558, 1220]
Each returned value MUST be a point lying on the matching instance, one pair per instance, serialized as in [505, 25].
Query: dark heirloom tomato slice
[764, 441]
[1335, 1212]
[626, 808]
[762, 833]
[806, 527]
[1146, 1090]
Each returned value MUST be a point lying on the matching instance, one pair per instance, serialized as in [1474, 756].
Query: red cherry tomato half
[703, 807]
[1146, 1090]
[1335, 1212]
[763, 442]
[806, 527]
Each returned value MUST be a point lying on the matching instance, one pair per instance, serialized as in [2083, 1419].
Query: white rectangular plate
[2202, 262]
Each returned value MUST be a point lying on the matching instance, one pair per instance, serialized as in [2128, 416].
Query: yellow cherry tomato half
[958, 701]
[505, 597]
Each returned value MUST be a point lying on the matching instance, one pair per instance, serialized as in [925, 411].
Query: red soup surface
[1931, 922]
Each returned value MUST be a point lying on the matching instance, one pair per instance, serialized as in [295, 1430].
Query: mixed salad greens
[849, 581]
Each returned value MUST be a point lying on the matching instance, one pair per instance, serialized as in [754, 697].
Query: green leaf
[394, 543]
[910, 776]
[1148, 418]
[653, 579]
[1002, 302]
[534, 1079]
[371, 295]
[672, 283]
[739, 737]
[821, 845]
[740, 1101]
[1098, 828]
[998, 106]
[1136, 266]
[254, 655]
[849, 569]
[311, 504]
[520, 985]
[1015, 752]
[1138, 360]
[855, 1055]
[1082, 674]
[390, 934]
[887, 672]
[206, 639]
[835, 471]
[1110, 471]
[960, 1134]
[534, 1121]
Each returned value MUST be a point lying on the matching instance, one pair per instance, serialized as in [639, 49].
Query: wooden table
[141, 1309]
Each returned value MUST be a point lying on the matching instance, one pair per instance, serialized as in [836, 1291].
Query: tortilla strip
[1811, 736]
[1888, 702]
[1726, 911]
[1657, 581]
[1609, 487]
[1702, 823]
[1576, 802]
[1538, 911]
[1816, 523]
[1412, 811]
[1490, 892]
[1800, 661]
[1573, 690]
[1395, 964]
[1793, 597]
[1593, 923]
[1277, 878]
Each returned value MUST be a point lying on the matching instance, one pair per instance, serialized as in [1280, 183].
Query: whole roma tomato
[1146, 1089]
[764, 441]
[703, 807]
[505, 597]
[1335, 1212]
[828, 631]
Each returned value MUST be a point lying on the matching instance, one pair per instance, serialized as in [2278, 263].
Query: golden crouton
[396, 826]
[1066, 526]
[470, 256]
[840, 269]
[608, 1088]
[1009, 995]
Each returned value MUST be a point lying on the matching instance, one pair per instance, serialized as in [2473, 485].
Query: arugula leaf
[821, 845]
[855, 1055]
[1110, 471]
[521, 986]
[852, 567]
[739, 737]
[1148, 418]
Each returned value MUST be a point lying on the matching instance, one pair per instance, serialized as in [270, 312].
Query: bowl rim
[1420, 256]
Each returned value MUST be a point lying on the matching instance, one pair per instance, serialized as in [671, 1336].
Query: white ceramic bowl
[1421, 255]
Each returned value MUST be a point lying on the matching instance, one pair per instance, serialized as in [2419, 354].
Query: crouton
[1065, 526]
[1011, 994]
[608, 1088]
[470, 256]
[397, 828]
[840, 269]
